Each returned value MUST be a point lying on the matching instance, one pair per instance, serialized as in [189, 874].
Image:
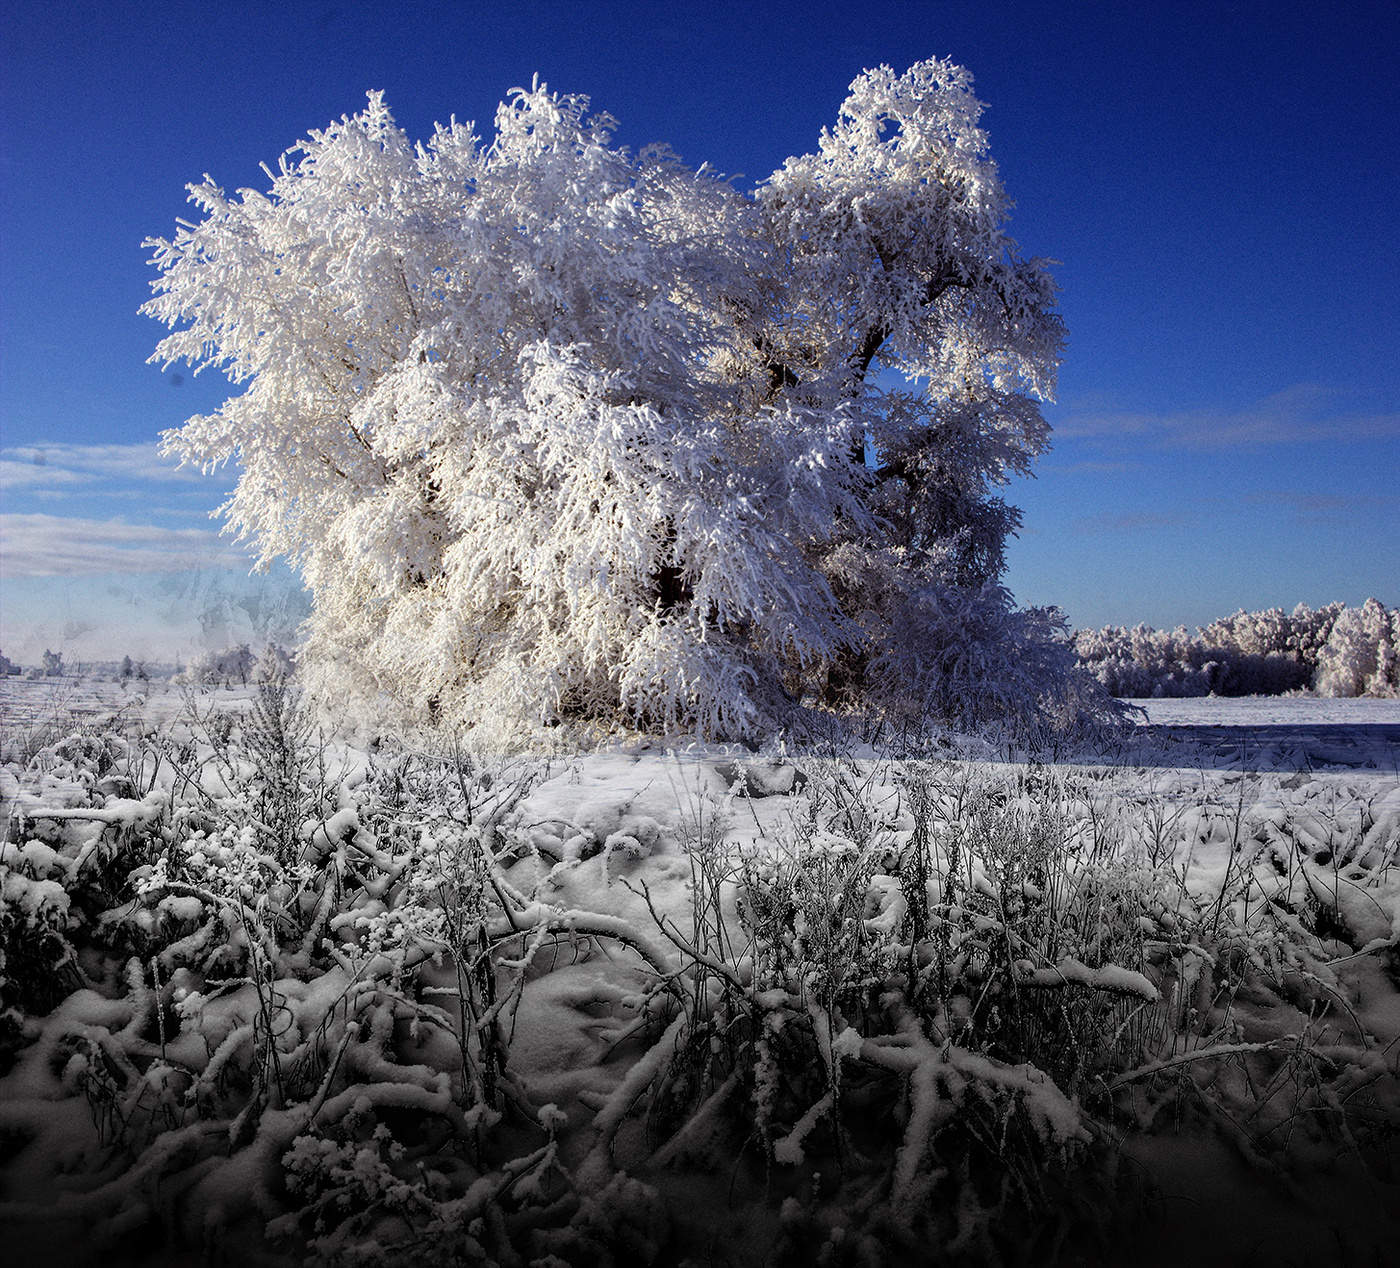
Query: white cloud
[1302, 414]
[60, 546]
[1322, 506]
[49, 465]
[15, 474]
[1134, 522]
[1101, 467]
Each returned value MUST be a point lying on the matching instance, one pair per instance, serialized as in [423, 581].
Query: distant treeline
[1333, 650]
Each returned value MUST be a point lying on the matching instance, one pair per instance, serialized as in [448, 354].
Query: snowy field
[54, 702]
[30, 702]
[277, 999]
[1262, 733]
[1270, 711]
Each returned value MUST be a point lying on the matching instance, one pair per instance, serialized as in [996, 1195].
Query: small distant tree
[559, 430]
[236, 662]
[7, 666]
[275, 664]
[51, 664]
[127, 669]
[222, 668]
[198, 672]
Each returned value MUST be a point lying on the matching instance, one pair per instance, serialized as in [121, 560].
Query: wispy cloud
[1303, 414]
[1136, 522]
[61, 546]
[48, 466]
[1321, 506]
[1092, 466]
[15, 474]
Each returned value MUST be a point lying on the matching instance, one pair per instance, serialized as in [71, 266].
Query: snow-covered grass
[270, 996]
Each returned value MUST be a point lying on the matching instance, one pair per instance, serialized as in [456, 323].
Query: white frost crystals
[555, 430]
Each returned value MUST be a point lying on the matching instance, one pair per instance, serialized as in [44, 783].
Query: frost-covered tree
[554, 429]
[1339, 651]
[223, 667]
[1359, 657]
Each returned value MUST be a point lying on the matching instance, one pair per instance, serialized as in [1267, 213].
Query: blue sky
[1218, 181]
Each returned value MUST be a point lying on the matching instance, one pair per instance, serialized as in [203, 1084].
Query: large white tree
[556, 430]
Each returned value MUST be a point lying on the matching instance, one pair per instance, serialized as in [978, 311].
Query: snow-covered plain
[1140, 1007]
[1296, 710]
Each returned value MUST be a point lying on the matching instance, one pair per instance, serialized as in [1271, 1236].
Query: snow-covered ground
[1263, 733]
[1270, 711]
[55, 701]
[159, 700]
[719, 1043]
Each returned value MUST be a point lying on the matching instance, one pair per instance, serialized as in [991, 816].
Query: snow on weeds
[262, 990]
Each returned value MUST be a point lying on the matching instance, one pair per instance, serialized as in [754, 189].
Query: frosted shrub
[891, 957]
[276, 983]
[1003, 967]
[972, 658]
